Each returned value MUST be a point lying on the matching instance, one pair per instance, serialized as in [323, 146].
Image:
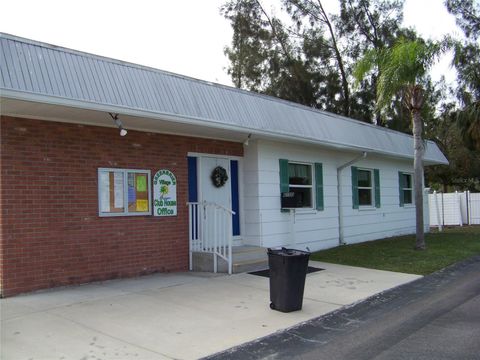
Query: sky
[186, 37]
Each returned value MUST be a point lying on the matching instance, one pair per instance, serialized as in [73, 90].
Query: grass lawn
[397, 254]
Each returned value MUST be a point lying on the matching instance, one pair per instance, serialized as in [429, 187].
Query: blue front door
[202, 190]
[235, 197]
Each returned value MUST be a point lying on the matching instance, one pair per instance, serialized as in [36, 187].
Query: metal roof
[33, 69]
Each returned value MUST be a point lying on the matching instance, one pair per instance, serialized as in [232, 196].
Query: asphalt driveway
[170, 316]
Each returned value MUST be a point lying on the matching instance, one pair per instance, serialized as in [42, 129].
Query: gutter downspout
[340, 195]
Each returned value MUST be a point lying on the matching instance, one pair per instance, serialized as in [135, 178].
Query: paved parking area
[170, 316]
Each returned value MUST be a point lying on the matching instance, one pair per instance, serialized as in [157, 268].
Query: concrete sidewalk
[435, 317]
[170, 316]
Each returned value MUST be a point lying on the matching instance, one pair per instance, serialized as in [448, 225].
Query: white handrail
[209, 203]
[210, 231]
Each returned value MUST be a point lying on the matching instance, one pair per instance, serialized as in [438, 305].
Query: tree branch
[359, 23]
[346, 91]
[274, 32]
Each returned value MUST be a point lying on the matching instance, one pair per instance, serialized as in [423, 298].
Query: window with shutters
[365, 187]
[301, 184]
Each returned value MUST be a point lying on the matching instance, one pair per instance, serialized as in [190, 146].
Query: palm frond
[399, 67]
[365, 65]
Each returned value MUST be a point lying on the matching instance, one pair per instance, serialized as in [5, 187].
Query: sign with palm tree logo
[164, 193]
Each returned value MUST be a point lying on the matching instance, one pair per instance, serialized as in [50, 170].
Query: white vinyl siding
[267, 226]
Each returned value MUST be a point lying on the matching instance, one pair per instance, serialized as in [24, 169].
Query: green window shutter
[284, 179]
[283, 175]
[400, 188]
[376, 176]
[354, 187]
[319, 186]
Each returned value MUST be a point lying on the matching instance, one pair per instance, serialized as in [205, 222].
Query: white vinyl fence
[456, 208]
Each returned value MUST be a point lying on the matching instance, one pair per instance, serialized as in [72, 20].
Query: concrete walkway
[435, 317]
[170, 316]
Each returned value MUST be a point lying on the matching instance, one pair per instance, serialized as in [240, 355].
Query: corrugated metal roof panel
[42, 69]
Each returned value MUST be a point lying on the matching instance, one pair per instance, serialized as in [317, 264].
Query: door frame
[238, 239]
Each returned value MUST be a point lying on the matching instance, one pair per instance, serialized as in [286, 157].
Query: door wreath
[219, 176]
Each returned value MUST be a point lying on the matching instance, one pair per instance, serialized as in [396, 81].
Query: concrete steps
[245, 259]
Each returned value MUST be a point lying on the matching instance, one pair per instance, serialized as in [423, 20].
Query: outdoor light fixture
[248, 139]
[119, 124]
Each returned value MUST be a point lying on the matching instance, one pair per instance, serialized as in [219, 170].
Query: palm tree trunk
[418, 178]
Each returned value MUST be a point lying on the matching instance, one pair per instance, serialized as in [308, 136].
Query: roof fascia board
[108, 108]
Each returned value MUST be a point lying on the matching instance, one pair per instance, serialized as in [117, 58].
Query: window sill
[300, 211]
[103, 215]
[367, 208]
[306, 211]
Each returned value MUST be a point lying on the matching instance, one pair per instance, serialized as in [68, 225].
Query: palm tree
[400, 68]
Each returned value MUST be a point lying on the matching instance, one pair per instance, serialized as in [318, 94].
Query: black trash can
[288, 269]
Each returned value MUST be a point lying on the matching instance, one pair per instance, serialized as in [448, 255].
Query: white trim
[305, 211]
[372, 204]
[312, 186]
[241, 201]
[230, 157]
[190, 120]
[366, 208]
[130, 127]
[410, 204]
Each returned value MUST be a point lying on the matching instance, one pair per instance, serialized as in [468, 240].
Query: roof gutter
[340, 195]
[190, 120]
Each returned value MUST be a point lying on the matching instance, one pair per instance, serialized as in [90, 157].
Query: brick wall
[51, 233]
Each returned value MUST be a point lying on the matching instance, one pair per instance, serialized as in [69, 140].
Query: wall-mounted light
[119, 124]
[248, 139]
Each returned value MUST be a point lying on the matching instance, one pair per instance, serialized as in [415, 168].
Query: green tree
[401, 69]
[366, 25]
[467, 63]
[264, 57]
[318, 18]
[456, 124]
[307, 57]
[463, 171]
[467, 13]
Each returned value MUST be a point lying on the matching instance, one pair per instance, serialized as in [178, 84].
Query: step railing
[210, 231]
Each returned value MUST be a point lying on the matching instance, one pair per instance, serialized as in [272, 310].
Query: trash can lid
[287, 252]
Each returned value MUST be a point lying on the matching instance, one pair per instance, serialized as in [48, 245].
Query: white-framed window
[365, 187]
[300, 182]
[124, 192]
[406, 188]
